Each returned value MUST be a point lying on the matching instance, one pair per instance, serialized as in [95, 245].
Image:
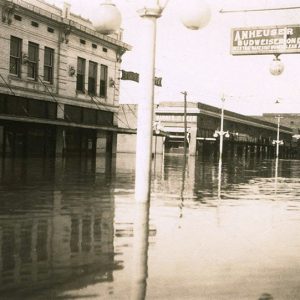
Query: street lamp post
[149, 14]
[221, 133]
[277, 141]
[194, 14]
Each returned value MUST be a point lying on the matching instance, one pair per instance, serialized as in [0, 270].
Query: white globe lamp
[108, 18]
[194, 14]
[276, 67]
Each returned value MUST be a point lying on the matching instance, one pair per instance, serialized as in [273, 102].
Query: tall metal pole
[149, 14]
[221, 133]
[277, 140]
[145, 106]
[185, 123]
[222, 127]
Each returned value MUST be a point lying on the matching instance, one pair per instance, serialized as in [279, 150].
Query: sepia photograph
[149, 149]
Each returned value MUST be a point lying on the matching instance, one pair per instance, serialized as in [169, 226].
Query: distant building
[59, 82]
[291, 120]
[128, 114]
[246, 134]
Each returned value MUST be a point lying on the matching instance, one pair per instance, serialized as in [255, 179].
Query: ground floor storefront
[18, 139]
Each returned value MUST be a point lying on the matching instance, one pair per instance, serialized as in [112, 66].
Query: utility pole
[185, 122]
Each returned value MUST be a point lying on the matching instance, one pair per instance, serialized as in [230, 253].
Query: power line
[223, 11]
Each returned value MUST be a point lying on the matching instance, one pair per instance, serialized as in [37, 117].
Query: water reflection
[219, 177]
[50, 232]
[71, 229]
[181, 205]
[140, 252]
[266, 296]
[276, 175]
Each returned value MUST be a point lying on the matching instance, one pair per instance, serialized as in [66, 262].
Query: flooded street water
[70, 229]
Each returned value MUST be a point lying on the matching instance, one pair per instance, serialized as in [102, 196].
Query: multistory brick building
[59, 82]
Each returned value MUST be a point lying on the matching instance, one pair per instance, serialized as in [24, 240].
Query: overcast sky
[200, 63]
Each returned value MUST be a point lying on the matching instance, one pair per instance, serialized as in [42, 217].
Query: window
[15, 56]
[92, 78]
[48, 64]
[103, 81]
[82, 42]
[34, 24]
[80, 74]
[49, 29]
[33, 57]
[18, 18]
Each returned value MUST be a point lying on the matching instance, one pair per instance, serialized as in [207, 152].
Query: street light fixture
[276, 66]
[221, 133]
[109, 18]
[195, 14]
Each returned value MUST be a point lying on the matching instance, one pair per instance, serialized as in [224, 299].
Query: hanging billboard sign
[278, 39]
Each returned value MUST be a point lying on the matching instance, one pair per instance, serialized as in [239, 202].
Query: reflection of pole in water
[219, 177]
[182, 188]
[140, 252]
[276, 174]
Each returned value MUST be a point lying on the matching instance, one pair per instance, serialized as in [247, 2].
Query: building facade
[128, 114]
[247, 136]
[59, 82]
[291, 120]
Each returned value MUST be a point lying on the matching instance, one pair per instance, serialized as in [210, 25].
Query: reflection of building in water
[64, 240]
[194, 176]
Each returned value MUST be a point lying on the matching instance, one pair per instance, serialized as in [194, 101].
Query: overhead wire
[52, 96]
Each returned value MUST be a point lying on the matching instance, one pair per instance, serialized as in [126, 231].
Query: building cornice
[20, 5]
[254, 122]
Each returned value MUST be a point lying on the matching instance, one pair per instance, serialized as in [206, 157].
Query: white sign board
[265, 40]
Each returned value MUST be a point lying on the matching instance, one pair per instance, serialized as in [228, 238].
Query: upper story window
[80, 74]
[33, 58]
[92, 78]
[103, 81]
[15, 56]
[48, 64]
[34, 24]
[18, 18]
